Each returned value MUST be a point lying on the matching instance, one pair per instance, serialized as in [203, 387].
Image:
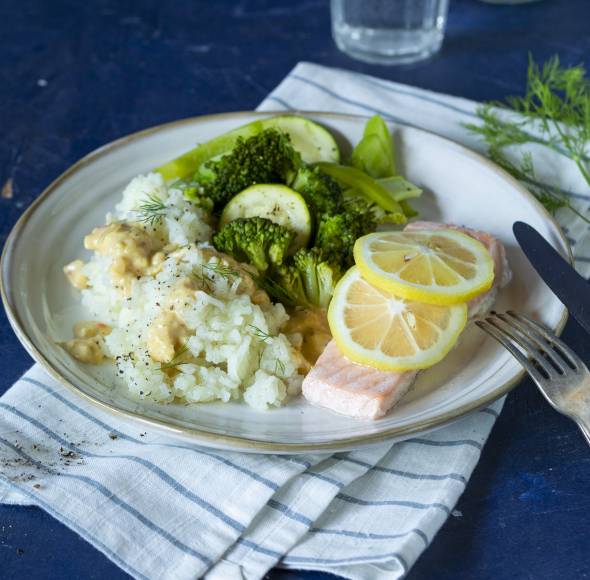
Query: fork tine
[533, 353]
[531, 340]
[566, 351]
[517, 354]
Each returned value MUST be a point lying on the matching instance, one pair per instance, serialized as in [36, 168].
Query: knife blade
[571, 288]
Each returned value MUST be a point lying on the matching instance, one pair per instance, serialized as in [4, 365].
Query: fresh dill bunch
[558, 98]
[497, 133]
[554, 112]
[151, 210]
[550, 198]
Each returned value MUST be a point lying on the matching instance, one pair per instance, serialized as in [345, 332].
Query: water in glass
[389, 31]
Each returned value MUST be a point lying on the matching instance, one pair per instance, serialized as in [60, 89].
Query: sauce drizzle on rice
[180, 313]
[133, 251]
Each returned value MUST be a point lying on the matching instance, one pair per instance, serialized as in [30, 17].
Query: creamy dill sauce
[166, 335]
[312, 325]
[183, 293]
[75, 276]
[133, 251]
[244, 271]
[88, 342]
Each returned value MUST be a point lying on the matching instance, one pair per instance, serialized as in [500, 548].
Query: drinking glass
[509, 1]
[389, 31]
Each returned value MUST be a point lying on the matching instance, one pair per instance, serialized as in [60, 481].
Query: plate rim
[232, 441]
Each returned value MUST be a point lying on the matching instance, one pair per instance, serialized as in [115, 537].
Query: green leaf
[374, 153]
[408, 209]
[400, 188]
[366, 186]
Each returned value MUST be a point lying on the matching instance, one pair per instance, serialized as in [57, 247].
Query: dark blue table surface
[75, 75]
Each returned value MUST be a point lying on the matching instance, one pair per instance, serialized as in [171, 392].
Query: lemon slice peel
[407, 336]
[442, 267]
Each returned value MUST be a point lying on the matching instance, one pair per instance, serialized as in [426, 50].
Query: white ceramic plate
[460, 187]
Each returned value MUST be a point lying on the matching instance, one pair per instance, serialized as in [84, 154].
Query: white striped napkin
[163, 509]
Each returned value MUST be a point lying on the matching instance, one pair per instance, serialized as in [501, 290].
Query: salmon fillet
[356, 390]
[352, 389]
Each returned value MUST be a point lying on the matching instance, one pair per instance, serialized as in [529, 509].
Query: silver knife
[571, 288]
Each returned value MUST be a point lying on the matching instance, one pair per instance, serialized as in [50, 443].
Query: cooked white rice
[235, 348]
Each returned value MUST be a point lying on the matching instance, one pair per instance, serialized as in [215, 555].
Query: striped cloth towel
[160, 508]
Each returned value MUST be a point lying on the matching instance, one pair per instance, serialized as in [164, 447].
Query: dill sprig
[260, 357]
[176, 360]
[555, 113]
[259, 333]
[279, 366]
[204, 277]
[221, 270]
[524, 171]
[151, 210]
[203, 280]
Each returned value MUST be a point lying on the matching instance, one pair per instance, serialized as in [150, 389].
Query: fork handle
[584, 425]
[581, 414]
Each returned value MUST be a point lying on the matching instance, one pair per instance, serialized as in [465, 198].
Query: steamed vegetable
[337, 233]
[321, 192]
[399, 189]
[312, 141]
[264, 158]
[374, 153]
[188, 163]
[374, 156]
[366, 187]
[255, 240]
[308, 280]
[408, 210]
[278, 203]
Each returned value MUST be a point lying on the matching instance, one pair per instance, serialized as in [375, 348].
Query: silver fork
[557, 370]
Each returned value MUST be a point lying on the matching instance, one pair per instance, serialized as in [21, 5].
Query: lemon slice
[434, 266]
[380, 330]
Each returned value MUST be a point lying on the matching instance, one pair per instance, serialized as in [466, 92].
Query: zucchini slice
[278, 203]
[314, 142]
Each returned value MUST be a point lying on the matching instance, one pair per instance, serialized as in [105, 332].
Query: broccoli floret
[321, 192]
[339, 221]
[264, 158]
[256, 240]
[318, 276]
[307, 280]
[336, 234]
